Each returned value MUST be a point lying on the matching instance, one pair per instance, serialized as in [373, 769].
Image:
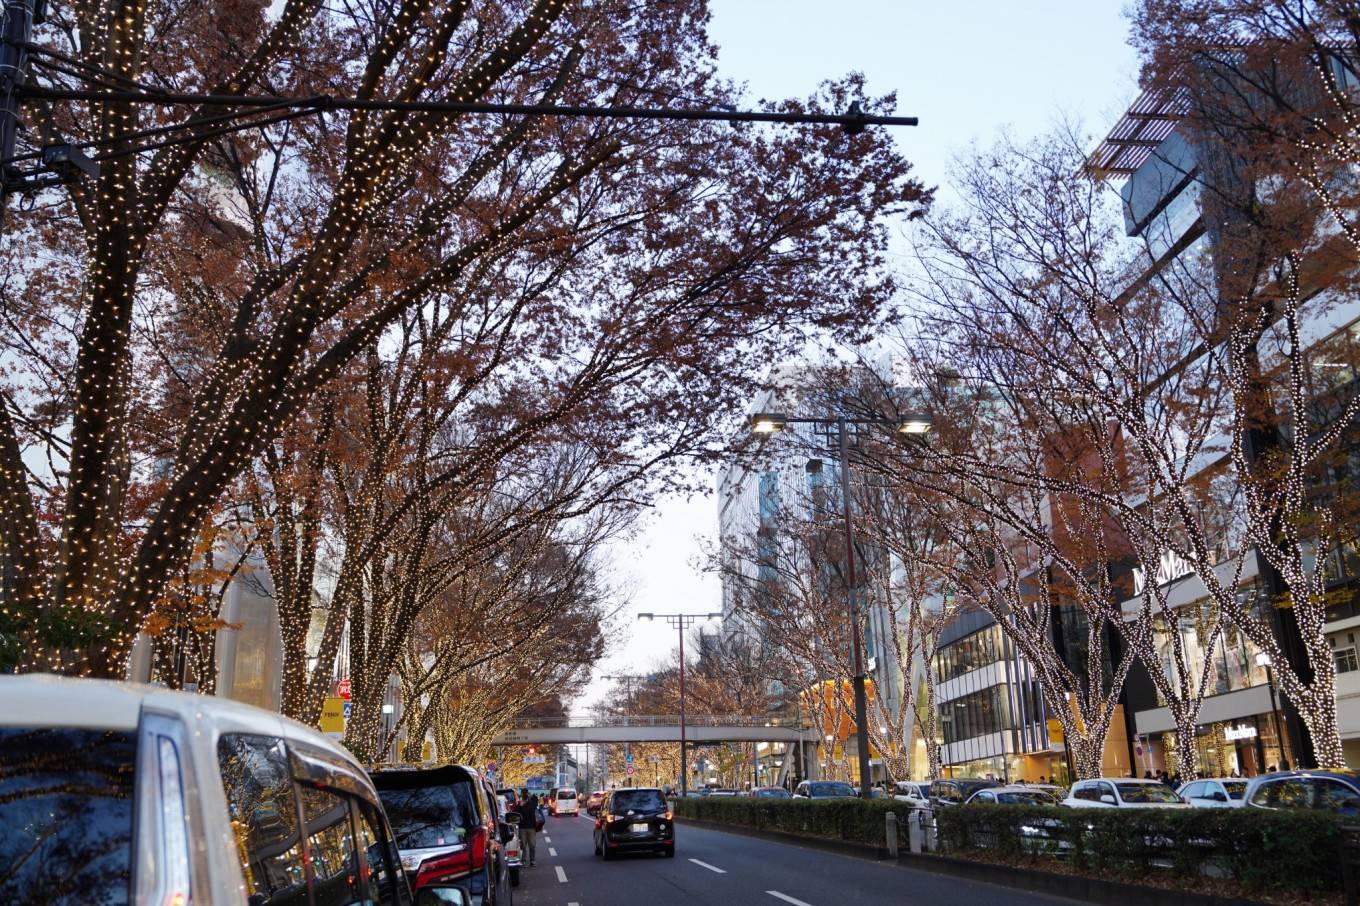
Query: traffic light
[533, 750]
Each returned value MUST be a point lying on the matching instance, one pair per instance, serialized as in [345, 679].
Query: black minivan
[448, 828]
[634, 819]
[946, 793]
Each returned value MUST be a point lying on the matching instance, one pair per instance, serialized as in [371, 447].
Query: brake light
[455, 865]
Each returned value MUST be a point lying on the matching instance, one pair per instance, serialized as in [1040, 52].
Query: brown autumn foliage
[170, 320]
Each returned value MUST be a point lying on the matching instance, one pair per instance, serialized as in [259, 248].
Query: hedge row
[1263, 851]
[849, 820]
[1291, 853]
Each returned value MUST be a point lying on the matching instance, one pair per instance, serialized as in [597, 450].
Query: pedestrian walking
[528, 826]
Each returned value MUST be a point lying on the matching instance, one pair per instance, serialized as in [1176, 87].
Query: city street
[719, 869]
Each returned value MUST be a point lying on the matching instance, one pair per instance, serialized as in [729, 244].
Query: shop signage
[1172, 566]
[333, 715]
[1242, 732]
[342, 688]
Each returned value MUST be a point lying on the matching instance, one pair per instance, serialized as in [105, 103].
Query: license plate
[641, 828]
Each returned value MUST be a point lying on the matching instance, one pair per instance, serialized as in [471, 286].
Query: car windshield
[1147, 792]
[66, 815]
[1236, 788]
[1027, 797]
[437, 815]
[637, 801]
[831, 790]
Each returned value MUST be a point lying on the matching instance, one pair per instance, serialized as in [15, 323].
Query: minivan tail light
[452, 865]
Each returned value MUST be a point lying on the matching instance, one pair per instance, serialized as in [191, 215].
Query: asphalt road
[715, 868]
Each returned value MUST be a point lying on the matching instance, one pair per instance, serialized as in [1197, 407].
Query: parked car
[1331, 791]
[1012, 795]
[1215, 792]
[1122, 792]
[916, 795]
[448, 828]
[565, 802]
[633, 819]
[949, 792]
[123, 793]
[824, 789]
[593, 802]
[721, 792]
[771, 792]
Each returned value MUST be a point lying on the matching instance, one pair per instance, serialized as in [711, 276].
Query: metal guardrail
[656, 720]
[1350, 863]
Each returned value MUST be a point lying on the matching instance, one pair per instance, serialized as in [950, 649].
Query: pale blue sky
[967, 68]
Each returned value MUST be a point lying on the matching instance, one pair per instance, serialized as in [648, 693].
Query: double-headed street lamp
[681, 622]
[773, 423]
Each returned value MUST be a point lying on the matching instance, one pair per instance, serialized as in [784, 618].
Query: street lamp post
[681, 622]
[1263, 660]
[772, 423]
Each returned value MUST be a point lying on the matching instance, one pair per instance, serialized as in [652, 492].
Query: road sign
[333, 715]
[628, 758]
[342, 688]
[347, 707]
[535, 759]
[629, 770]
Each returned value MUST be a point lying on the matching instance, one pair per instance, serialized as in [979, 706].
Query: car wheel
[670, 852]
[597, 844]
[514, 877]
[605, 853]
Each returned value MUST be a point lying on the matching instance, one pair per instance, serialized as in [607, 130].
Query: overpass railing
[656, 720]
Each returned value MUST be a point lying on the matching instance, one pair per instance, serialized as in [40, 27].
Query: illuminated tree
[224, 279]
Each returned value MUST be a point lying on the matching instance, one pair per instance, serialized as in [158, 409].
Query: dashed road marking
[547, 839]
[562, 877]
[713, 868]
[552, 852]
[786, 898]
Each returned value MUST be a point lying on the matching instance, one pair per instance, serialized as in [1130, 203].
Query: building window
[1345, 659]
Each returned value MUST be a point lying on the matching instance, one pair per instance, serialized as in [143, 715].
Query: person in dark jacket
[528, 825]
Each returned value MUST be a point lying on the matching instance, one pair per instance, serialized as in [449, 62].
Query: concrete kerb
[1073, 887]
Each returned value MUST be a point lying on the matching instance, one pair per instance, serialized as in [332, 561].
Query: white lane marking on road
[562, 876]
[552, 852]
[786, 898]
[713, 868]
[547, 839]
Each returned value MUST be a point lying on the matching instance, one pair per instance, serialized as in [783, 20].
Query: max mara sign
[1171, 566]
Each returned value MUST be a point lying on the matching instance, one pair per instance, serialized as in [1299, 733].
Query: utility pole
[861, 698]
[16, 33]
[681, 622]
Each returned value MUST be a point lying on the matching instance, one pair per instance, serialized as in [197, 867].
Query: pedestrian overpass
[700, 729]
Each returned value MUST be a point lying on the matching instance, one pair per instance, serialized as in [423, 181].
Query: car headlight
[411, 863]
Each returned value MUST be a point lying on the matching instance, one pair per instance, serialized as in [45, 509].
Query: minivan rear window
[66, 805]
[637, 800]
[436, 815]
[566, 794]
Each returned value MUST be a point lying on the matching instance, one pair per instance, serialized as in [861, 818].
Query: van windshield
[66, 814]
[425, 817]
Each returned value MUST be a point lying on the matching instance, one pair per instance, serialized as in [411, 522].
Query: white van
[119, 793]
[566, 803]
